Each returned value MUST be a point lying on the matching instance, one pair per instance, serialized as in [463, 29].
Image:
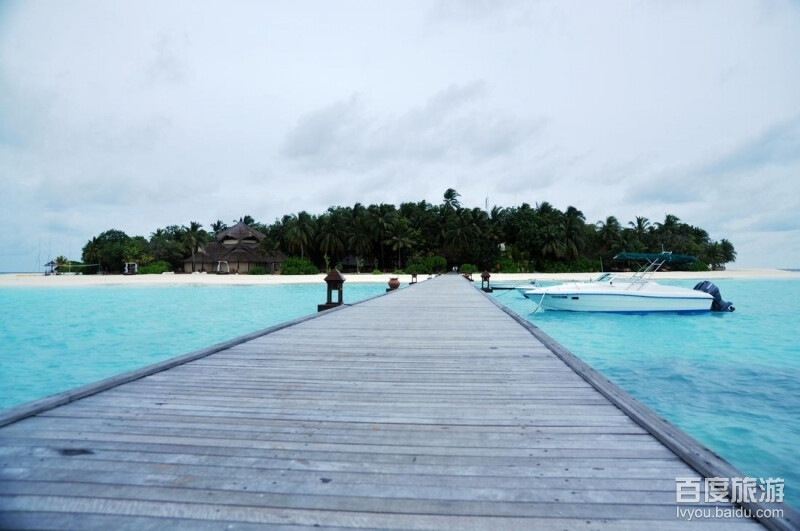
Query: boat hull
[622, 303]
[620, 298]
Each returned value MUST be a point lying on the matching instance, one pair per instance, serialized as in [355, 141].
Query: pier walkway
[428, 408]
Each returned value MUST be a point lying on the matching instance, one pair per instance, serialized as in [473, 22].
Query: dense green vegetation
[299, 266]
[422, 236]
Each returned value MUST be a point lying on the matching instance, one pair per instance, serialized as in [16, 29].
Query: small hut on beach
[51, 266]
[239, 247]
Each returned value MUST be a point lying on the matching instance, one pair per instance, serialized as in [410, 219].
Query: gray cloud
[778, 145]
[326, 132]
[667, 186]
[755, 181]
[166, 65]
[454, 125]
[138, 115]
[498, 15]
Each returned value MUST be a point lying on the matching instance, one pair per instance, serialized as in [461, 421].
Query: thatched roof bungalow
[239, 247]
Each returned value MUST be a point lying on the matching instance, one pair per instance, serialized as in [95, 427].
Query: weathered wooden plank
[89, 437]
[312, 484]
[408, 436]
[86, 520]
[324, 518]
[218, 474]
[551, 419]
[37, 520]
[443, 414]
[360, 397]
[68, 493]
[212, 462]
[77, 415]
[316, 494]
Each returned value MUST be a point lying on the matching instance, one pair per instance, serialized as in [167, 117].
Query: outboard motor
[718, 305]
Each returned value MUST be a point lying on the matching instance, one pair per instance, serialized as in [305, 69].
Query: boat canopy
[663, 258]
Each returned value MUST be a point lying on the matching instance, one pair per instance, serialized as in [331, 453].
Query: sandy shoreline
[40, 280]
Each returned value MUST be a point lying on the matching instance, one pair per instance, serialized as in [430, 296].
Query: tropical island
[412, 238]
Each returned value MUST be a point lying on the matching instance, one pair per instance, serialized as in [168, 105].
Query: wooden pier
[427, 408]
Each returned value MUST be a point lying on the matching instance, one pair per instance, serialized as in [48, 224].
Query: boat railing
[654, 261]
[652, 265]
[641, 277]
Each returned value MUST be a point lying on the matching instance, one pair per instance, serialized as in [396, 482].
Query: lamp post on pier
[335, 281]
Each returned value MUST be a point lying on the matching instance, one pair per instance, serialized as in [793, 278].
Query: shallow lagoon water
[55, 339]
[730, 380]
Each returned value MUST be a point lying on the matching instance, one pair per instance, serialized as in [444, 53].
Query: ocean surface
[731, 380]
[55, 339]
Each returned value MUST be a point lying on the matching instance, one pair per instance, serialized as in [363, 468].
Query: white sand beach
[40, 280]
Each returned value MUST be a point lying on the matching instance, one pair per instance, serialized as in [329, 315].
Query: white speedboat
[630, 294]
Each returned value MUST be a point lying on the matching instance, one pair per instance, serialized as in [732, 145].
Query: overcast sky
[137, 115]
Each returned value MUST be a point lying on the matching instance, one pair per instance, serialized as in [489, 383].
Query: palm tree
[572, 229]
[460, 232]
[712, 254]
[552, 242]
[60, 261]
[668, 231]
[193, 237]
[332, 234]
[136, 250]
[423, 218]
[497, 214]
[300, 231]
[159, 241]
[358, 239]
[544, 208]
[218, 226]
[496, 226]
[492, 236]
[92, 252]
[698, 236]
[451, 199]
[641, 227]
[380, 219]
[293, 236]
[402, 236]
[727, 251]
[609, 232]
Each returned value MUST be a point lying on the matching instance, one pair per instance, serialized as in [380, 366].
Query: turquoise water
[55, 339]
[730, 380]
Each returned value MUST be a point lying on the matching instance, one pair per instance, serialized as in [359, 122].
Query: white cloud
[453, 127]
[135, 116]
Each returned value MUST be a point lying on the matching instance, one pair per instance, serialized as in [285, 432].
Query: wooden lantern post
[485, 281]
[335, 281]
